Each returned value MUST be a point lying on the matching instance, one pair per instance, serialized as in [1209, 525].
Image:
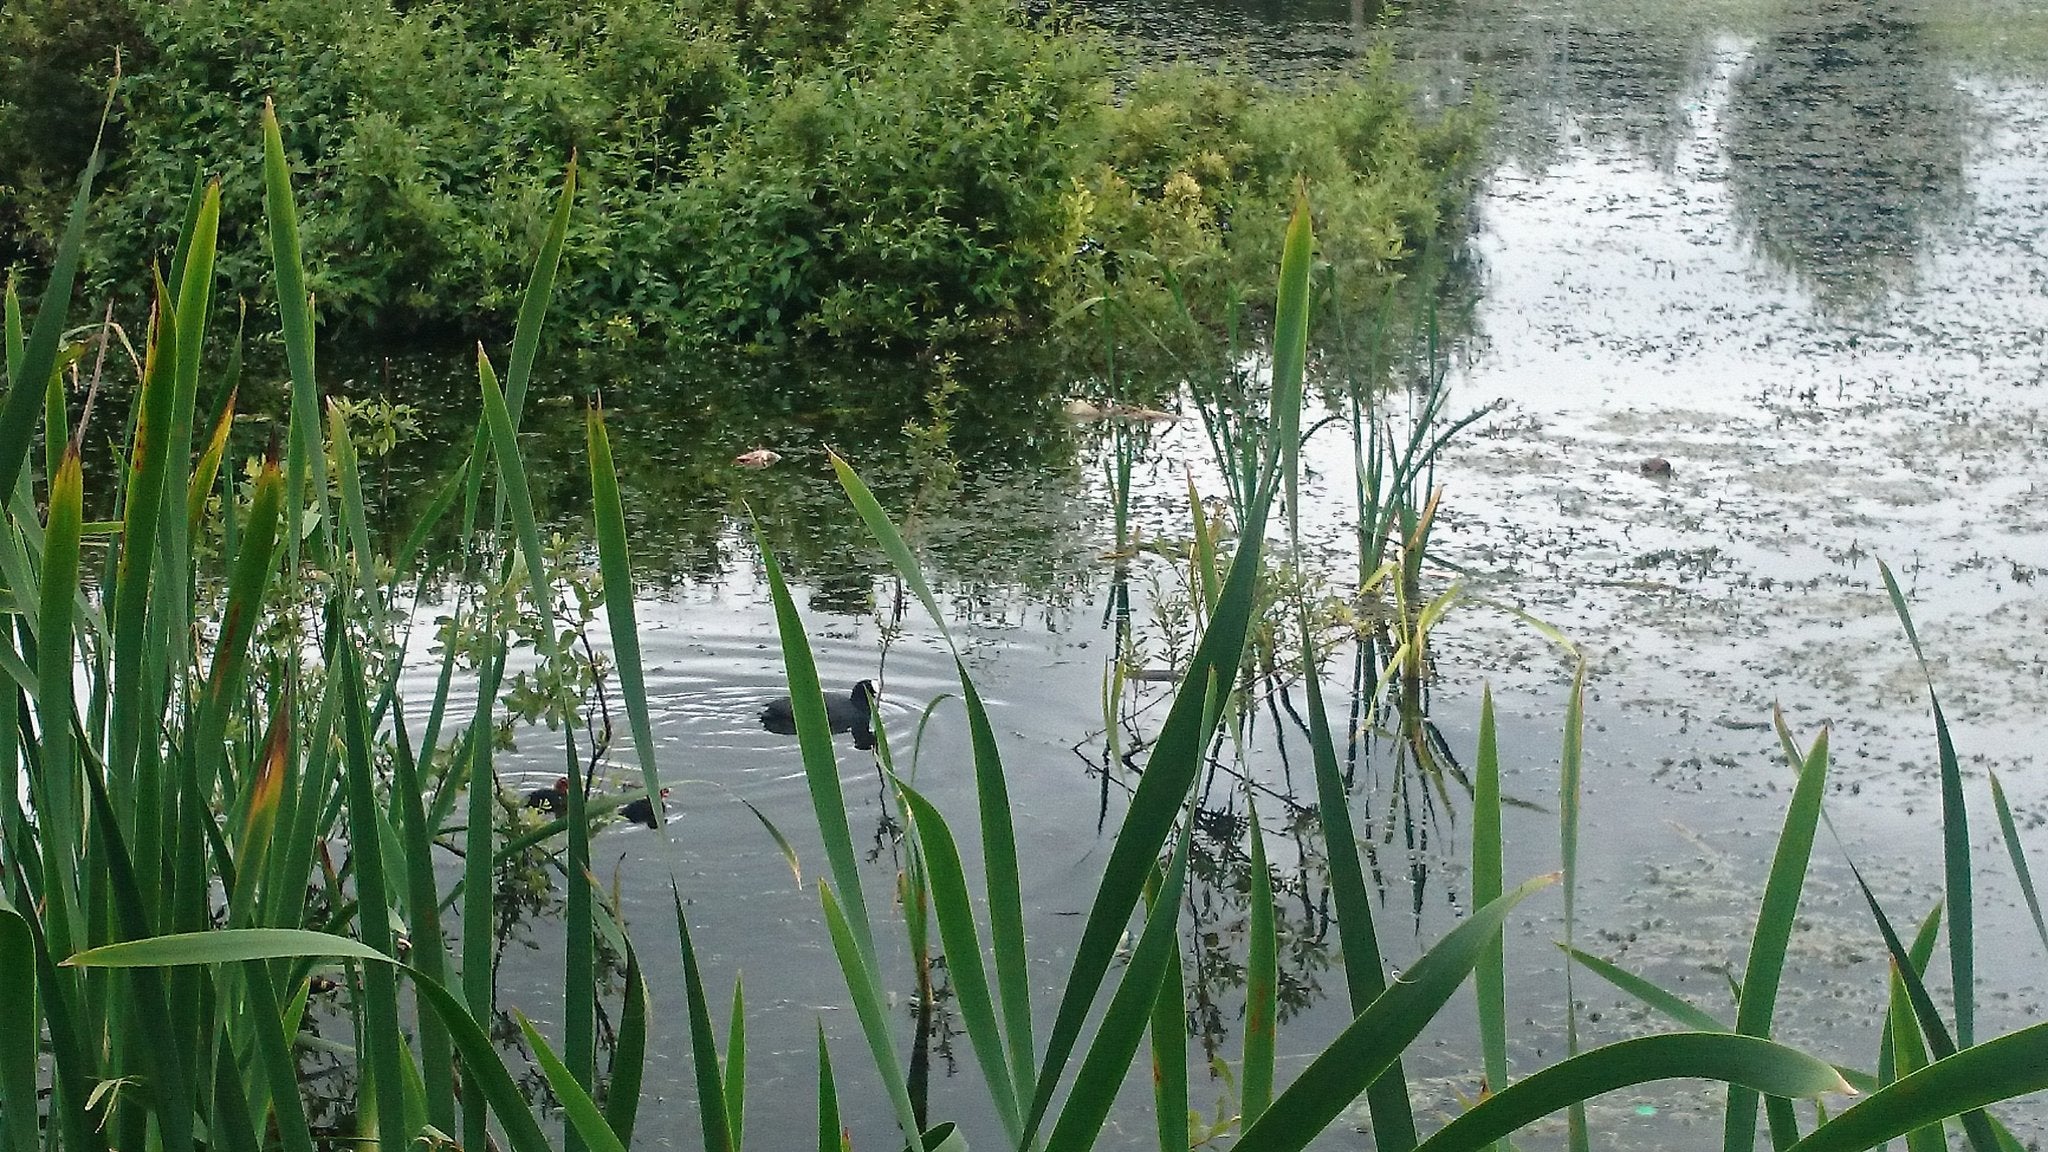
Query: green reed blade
[74, 1071]
[12, 341]
[830, 1135]
[355, 519]
[821, 763]
[579, 991]
[703, 1042]
[1909, 1055]
[229, 1128]
[1170, 771]
[1358, 940]
[1262, 981]
[29, 372]
[148, 468]
[208, 469]
[1290, 352]
[1758, 1064]
[1569, 790]
[582, 1111]
[954, 910]
[280, 1068]
[1368, 1046]
[1975, 1124]
[1962, 1083]
[736, 1064]
[305, 462]
[1773, 933]
[163, 1046]
[366, 835]
[423, 913]
[1170, 1050]
[194, 279]
[60, 809]
[1124, 1022]
[863, 985]
[2018, 854]
[1919, 954]
[1955, 839]
[247, 585]
[998, 833]
[629, 1054]
[615, 568]
[259, 816]
[1684, 1012]
[21, 1026]
[533, 305]
[1489, 976]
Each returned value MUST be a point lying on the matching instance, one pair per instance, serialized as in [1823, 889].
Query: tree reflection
[1846, 141]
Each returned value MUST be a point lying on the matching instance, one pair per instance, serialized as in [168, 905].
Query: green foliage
[865, 172]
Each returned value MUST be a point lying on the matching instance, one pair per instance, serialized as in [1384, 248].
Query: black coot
[850, 713]
[552, 801]
[641, 812]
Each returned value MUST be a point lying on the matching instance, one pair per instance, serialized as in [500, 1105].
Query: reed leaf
[1568, 790]
[703, 1042]
[2018, 855]
[830, 1135]
[1170, 1051]
[20, 1031]
[30, 370]
[1955, 838]
[1125, 1020]
[1758, 1064]
[305, 462]
[629, 1054]
[1655, 996]
[1489, 975]
[615, 567]
[736, 1064]
[1773, 933]
[1959, 1084]
[1368, 1046]
[1262, 981]
[954, 910]
[865, 989]
[582, 1111]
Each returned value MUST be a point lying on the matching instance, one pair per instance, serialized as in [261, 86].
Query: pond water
[1794, 249]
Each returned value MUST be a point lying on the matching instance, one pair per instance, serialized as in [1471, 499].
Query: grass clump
[870, 173]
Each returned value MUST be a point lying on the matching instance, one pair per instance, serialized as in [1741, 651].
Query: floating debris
[758, 458]
[1658, 467]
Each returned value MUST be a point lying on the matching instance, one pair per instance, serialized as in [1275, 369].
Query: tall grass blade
[736, 1065]
[1773, 933]
[1569, 764]
[1290, 356]
[32, 368]
[1170, 771]
[1960, 1084]
[148, 468]
[579, 1026]
[1909, 1055]
[366, 838]
[1489, 975]
[616, 569]
[998, 835]
[1170, 1052]
[1393, 1117]
[1368, 1046]
[1955, 839]
[1655, 996]
[1758, 1064]
[629, 1054]
[1129, 1013]
[20, 1031]
[868, 1004]
[703, 1043]
[305, 462]
[954, 910]
[1262, 981]
[582, 1111]
[2011, 834]
[830, 1137]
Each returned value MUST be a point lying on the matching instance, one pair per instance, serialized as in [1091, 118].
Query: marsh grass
[223, 788]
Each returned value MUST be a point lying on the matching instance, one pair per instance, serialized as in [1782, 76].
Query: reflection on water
[1846, 138]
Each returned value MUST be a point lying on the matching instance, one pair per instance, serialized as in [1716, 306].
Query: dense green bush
[870, 172]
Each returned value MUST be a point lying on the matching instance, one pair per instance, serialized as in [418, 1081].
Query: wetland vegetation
[266, 901]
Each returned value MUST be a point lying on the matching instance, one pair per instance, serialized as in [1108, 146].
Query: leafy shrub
[865, 172]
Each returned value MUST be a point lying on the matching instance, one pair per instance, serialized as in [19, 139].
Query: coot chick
[641, 812]
[850, 713]
[550, 800]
